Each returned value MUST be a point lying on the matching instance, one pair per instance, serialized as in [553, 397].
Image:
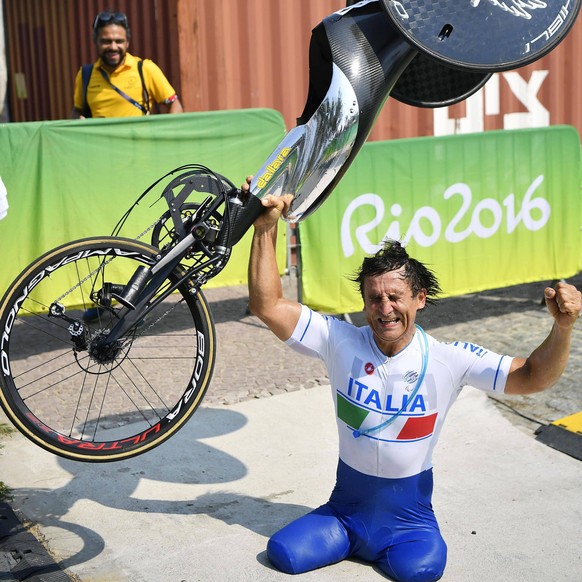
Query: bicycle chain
[90, 275]
[155, 322]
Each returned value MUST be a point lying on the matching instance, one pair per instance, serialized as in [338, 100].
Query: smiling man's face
[112, 44]
[390, 310]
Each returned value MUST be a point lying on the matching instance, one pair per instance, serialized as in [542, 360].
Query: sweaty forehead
[390, 282]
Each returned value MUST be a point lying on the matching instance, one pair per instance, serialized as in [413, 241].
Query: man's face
[390, 310]
[112, 44]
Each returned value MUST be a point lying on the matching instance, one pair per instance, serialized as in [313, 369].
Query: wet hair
[391, 257]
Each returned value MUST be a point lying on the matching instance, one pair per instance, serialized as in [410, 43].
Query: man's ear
[421, 299]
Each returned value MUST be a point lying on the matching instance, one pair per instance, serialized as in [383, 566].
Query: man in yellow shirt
[120, 84]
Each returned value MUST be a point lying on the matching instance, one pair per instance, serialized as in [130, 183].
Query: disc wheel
[73, 396]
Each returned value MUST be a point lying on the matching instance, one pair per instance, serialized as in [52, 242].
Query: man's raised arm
[546, 363]
[266, 299]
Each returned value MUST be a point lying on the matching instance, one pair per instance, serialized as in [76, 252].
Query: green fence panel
[72, 179]
[483, 211]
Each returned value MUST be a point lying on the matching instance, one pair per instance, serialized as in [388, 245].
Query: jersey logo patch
[411, 376]
[369, 368]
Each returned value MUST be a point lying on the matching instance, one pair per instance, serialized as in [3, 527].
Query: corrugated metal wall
[253, 53]
[31, 62]
[231, 54]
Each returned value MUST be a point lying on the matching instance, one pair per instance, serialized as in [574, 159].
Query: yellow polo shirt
[104, 101]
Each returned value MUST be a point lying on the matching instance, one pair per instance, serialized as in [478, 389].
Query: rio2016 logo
[426, 227]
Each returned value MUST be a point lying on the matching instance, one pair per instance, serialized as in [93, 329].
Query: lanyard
[124, 95]
[424, 351]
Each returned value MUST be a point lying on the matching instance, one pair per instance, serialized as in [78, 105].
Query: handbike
[117, 385]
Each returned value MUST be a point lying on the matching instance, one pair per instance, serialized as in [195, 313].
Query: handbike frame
[195, 233]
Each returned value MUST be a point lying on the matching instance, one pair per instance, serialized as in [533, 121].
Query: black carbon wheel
[65, 392]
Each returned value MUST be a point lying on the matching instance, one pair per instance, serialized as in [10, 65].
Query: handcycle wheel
[73, 404]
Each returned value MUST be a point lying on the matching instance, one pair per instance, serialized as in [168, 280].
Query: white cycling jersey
[371, 388]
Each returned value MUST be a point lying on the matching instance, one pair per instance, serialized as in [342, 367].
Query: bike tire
[63, 400]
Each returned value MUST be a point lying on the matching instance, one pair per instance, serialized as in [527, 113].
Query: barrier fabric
[483, 211]
[72, 179]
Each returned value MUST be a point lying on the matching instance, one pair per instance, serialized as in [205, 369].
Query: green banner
[483, 211]
[73, 179]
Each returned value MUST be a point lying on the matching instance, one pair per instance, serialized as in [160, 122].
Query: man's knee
[427, 574]
[412, 573]
[310, 542]
[420, 561]
[284, 558]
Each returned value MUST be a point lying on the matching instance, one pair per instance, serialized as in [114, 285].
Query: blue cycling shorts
[388, 522]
